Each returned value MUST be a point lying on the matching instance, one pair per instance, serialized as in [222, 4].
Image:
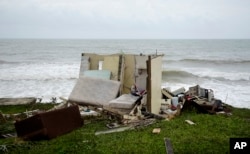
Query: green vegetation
[210, 134]
[10, 109]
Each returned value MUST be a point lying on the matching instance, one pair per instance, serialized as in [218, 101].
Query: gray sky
[135, 19]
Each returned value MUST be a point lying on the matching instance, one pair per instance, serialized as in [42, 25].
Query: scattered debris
[134, 99]
[156, 130]
[112, 125]
[9, 135]
[167, 93]
[39, 100]
[21, 115]
[121, 129]
[3, 148]
[134, 124]
[168, 145]
[200, 98]
[53, 100]
[190, 122]
[178, 91]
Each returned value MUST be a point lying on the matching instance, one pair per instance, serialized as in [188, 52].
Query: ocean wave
[211, 61]
[221, 76]
[6, 62]
[178, 73]
[38, 79]
[2, 61]
[39, 71]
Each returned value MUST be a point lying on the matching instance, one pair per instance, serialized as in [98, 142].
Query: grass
[210, 134]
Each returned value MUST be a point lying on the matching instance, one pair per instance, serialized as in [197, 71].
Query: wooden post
[168, 145]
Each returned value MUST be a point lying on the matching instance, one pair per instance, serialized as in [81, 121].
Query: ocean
[46, 68]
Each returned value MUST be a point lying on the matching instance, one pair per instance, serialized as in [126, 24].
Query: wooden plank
[190, 122]
[115, 130]
[149, 98]
[112, 63]
[168, 145]
[94, 60]
[129, 73]
[155, 70]
[166, 94]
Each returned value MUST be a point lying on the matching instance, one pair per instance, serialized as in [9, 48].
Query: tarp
[94, 91]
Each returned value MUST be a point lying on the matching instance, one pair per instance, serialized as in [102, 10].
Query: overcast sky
[124, 19]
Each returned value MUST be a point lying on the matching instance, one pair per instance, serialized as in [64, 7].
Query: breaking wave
[39, 79]
[178, 73]
[6, 62]
[221, 76]
[40, 71]
[211, 61]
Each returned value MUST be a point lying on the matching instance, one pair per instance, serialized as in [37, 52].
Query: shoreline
[11, 101]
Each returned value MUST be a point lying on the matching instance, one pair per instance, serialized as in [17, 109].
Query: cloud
[125, 18]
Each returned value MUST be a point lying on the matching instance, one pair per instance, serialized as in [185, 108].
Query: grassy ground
[210, 134]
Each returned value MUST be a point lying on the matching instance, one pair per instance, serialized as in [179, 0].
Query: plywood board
[129, 73]
[94, 60]
[154, 81]
[111, 63]
[141, 62]
[126, 72]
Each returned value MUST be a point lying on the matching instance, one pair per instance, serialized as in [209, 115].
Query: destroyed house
[107, 80]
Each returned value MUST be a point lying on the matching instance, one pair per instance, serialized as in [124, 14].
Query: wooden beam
[168, 145]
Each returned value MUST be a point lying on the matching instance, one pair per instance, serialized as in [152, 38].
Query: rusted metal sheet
[50, 124]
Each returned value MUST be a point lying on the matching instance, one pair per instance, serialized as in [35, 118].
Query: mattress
[94, 91]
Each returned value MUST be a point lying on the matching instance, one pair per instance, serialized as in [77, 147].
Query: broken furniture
[49, 124]
[203, 101]
[201, 92]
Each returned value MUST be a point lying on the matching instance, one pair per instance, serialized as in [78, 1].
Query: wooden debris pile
[195, 97]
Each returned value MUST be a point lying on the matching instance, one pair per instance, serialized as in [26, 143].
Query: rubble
[127, 87]
[200, 98]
